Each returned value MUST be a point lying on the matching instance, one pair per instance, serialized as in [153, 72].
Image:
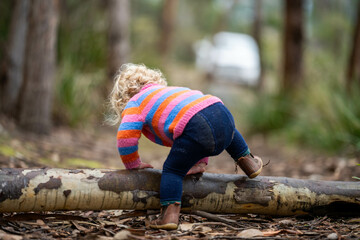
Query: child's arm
[128, 137]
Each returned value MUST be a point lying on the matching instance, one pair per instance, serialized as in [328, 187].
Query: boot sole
[255, 174]
[168, 226]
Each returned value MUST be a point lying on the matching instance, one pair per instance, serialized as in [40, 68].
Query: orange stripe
[161, 109]
[130, 111]
[185, 109]
[130, 157]
[128, 134]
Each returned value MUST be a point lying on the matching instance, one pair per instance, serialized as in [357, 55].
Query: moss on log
[23, 190]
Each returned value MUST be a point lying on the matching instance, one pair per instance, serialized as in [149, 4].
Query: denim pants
[208, 133]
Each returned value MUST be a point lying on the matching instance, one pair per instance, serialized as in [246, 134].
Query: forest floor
[95, 148]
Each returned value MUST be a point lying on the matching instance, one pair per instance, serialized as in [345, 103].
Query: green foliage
[82, 36]
[323, 114]
[7, 151]
[82, 56]
[270, 112]
[145, 38]
[332, 39]
[82, 163]
[330, 119]
[78, 99]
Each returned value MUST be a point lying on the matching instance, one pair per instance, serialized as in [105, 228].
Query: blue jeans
[208, 133]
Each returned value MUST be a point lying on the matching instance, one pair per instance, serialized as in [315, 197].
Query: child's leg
[238, 147]
[183, 155]
[240, 152]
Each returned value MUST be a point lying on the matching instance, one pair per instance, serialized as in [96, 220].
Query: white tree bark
[23, 190]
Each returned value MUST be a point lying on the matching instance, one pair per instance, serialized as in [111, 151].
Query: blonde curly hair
[128, 81]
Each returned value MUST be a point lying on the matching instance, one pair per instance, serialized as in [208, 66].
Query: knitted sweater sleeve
[128, 136]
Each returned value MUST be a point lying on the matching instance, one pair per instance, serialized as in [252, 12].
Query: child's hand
[144, 165]
[198, 168]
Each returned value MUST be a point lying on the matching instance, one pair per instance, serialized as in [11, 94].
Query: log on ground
[24, 190]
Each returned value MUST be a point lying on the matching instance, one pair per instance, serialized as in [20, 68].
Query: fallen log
[24, 190]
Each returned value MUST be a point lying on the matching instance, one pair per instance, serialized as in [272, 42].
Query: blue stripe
[127, 150]
[131, 104]
[131, 126]
[176, 110]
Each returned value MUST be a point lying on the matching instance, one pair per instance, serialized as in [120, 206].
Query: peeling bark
[23, 190]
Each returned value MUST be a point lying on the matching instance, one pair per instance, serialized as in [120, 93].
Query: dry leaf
[206, 229]
[186, 227]
[7, 236]
[42, 224]
[273, 233]
[122, 235]
[249, 233]
[332, 236]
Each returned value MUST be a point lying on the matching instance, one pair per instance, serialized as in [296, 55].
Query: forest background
[309, 94]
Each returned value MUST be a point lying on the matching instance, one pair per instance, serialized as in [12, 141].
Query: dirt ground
[95, 148]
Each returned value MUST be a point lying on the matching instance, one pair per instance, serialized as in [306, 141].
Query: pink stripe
[133, 164]
[127, 142]
[144, 90]
[169, 108]
[179, 128]
[131, 118]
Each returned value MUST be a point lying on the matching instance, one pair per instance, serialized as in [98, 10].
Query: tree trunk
[168, 25]
[14, 58]
[118, 35]
[258, 19]
[353, 71]
[23, 190]
[39, 70]
[293, 45]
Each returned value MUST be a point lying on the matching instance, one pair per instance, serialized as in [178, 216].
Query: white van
[230, 57]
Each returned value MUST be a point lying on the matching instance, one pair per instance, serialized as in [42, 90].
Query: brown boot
[251, 165]
[168, 219]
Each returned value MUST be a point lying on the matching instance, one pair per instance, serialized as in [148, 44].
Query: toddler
[194, 125]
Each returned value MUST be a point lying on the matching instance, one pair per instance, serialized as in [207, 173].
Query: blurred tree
[12, 75]
[224, 16]
[258, 21]
[39, 67]
[168, 24]
[118, 35]
[293, 45]
[353, 71]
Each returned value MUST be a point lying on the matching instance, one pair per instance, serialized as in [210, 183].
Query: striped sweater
[161, 114]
